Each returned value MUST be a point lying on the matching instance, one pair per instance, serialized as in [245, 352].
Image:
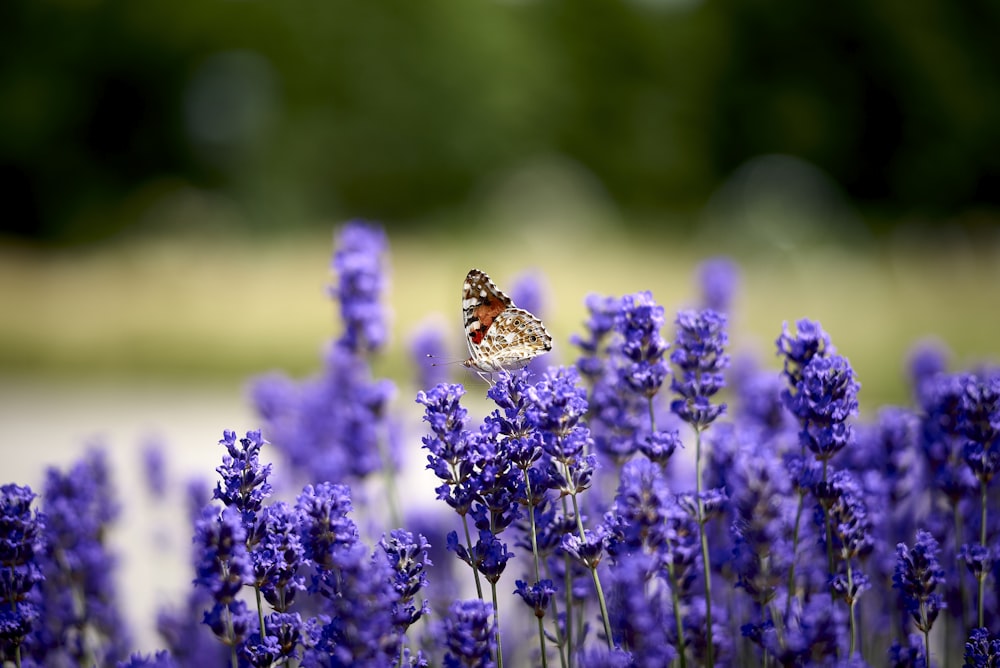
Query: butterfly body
[500, 336]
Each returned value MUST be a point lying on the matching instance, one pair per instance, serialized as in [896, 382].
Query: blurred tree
[316, 109]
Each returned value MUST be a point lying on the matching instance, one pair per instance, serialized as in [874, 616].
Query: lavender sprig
[917, 575]
[21, 543]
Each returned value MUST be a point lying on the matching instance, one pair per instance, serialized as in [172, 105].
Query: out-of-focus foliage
[115, 111]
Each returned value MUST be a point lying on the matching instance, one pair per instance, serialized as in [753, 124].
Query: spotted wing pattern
[500, 335]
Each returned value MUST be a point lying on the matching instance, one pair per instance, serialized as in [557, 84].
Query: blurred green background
[301, 111]
[171, 171]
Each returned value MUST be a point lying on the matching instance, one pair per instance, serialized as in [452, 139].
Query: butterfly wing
[499, 335]
[515, 338]
[482, 302]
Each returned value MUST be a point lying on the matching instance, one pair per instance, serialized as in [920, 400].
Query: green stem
[962, 593]
[707, 566]
[795, 549]
[496, 620]
[468, 543]
[260, 610]
[554, 605]
[853, 620]
[829, 532]
[390, 482]
[232, 639]
[534, 553]
[675, 599]
[597, 580]
[927, 645]
[982, 541]
[568, 593]
[541, 634]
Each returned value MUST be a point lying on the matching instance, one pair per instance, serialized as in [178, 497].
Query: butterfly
[501, 337]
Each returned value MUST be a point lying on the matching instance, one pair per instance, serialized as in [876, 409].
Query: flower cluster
[796, 531]
[917, 575]
[335, 425]
[358, 263]
[699, 354]
[20, 544]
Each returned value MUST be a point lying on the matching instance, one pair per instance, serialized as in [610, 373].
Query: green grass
[203, 309]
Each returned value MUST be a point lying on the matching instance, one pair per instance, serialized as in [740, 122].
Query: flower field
[654, 499]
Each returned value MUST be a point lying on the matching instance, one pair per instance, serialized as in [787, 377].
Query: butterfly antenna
[442, 363]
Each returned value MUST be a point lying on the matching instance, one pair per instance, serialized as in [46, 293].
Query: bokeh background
[172, 172]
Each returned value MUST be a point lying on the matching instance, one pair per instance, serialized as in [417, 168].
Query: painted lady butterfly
[501, 337]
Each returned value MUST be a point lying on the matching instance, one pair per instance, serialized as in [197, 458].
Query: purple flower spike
[244, 483]
[279, 555]
[809, 342]
[851, 527]
[824, 398]
[917, 575]
[718, 278]
[161, 659]
[536, 596]
[982, 649]
[639, 323]
[21, 544]
[599, 326]
[699, 355]
[325, 525]
[408, 558]
[223, 562]
[469, 634]
[358, 264]
[587, 550]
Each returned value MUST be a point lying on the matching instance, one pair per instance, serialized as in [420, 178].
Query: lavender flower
[358, 264]
[639, 322]
[762, 552]
[79, 617]
[979, 422]
[977, 558]
[556, 408]
[155, 467]
[824, 398]
[910, 655]
[641, 622]
[587, 549]
[279, 555]
[810, 341]
[450, 443]
[603, 311]
[468, 633]
[21, 531]
[224, 564]
[161, 659]
[536, 596]
[982, 649]
[759, 402]
[324, 523]
[718, 278]
[244, 483]
[328, 427]
[916, 577]
[488, 556]
[407, 556]
[851, 527]
[698, 354]
[927, 360]
[362, 628]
